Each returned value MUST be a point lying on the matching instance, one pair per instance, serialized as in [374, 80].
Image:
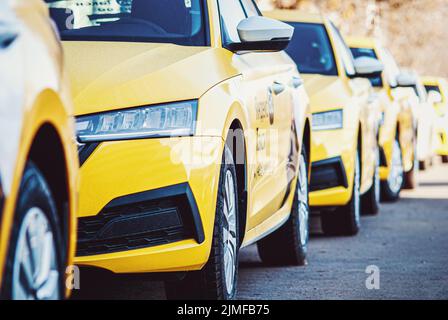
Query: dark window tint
[433, 88]
[367, 52]
[311, 49]
[171, 21]
[363, 52]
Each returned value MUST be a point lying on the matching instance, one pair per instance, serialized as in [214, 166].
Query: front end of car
[439, 87]
[333, 144]
[148, 192]
[149, 167]
[148, 178]
[332, 160]
[442, 133]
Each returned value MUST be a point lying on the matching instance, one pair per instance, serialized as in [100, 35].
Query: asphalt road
[408, 242]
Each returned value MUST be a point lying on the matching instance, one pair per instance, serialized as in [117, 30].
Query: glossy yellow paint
[231, 89]
[46, 101]
[397, 114]
[360, 114]
[442, 112]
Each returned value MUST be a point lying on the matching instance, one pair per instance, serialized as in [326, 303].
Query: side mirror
[406, 80]
[259, 33]
[367, 67]
[434, 97]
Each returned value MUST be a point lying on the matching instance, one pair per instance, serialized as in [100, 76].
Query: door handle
[277, 88]
[296, 82]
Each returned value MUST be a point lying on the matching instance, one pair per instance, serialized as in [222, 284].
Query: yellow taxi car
[437, 89]
[38, 162]
[397, 136]
[427, 124]
[194, 132]
[344, 151]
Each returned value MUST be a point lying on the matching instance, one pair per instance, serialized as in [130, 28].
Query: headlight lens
[329, 120]
[176, 119]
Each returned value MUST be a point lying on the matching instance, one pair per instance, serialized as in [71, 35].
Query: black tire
[444, 159]
[345, 221]
[210, 282]
[34, 193]
[388, 194]
[288, 237]
[422, 165]
[370, 201]
[411, 177]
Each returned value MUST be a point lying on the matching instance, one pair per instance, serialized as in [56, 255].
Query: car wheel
[391, 188]
[34, 268]
[288, 245]
[444, 159]
[422, 165]
[371, 200]
[346, 220]
[218, 279]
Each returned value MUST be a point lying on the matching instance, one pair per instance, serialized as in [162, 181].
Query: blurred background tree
[416, 31]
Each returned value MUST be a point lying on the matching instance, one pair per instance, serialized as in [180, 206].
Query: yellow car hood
[115, 75]
[323, 91]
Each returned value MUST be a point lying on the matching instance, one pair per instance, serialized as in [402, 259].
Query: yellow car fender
[47, 110]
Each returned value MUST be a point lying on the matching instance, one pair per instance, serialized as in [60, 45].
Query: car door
[263, 90]
[361, 91]
[287, 95]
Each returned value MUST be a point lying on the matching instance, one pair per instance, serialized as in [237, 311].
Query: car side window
[231, 14]
[344, 51]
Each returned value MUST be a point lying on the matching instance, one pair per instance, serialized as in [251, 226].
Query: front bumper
[141, 220]
[332, 168]
[327, 174]
[149, 205]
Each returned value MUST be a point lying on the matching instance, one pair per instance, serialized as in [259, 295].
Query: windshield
[311, 49]
[367, 52]
[171, 21]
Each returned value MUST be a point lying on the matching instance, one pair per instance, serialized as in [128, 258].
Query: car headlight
[329, 120]
[175, 119]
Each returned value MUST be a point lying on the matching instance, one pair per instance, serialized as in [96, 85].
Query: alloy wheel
[377, 179]
[395, 179]
[36, 273]
[357, 192]
[303, 206]
[229, 232]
